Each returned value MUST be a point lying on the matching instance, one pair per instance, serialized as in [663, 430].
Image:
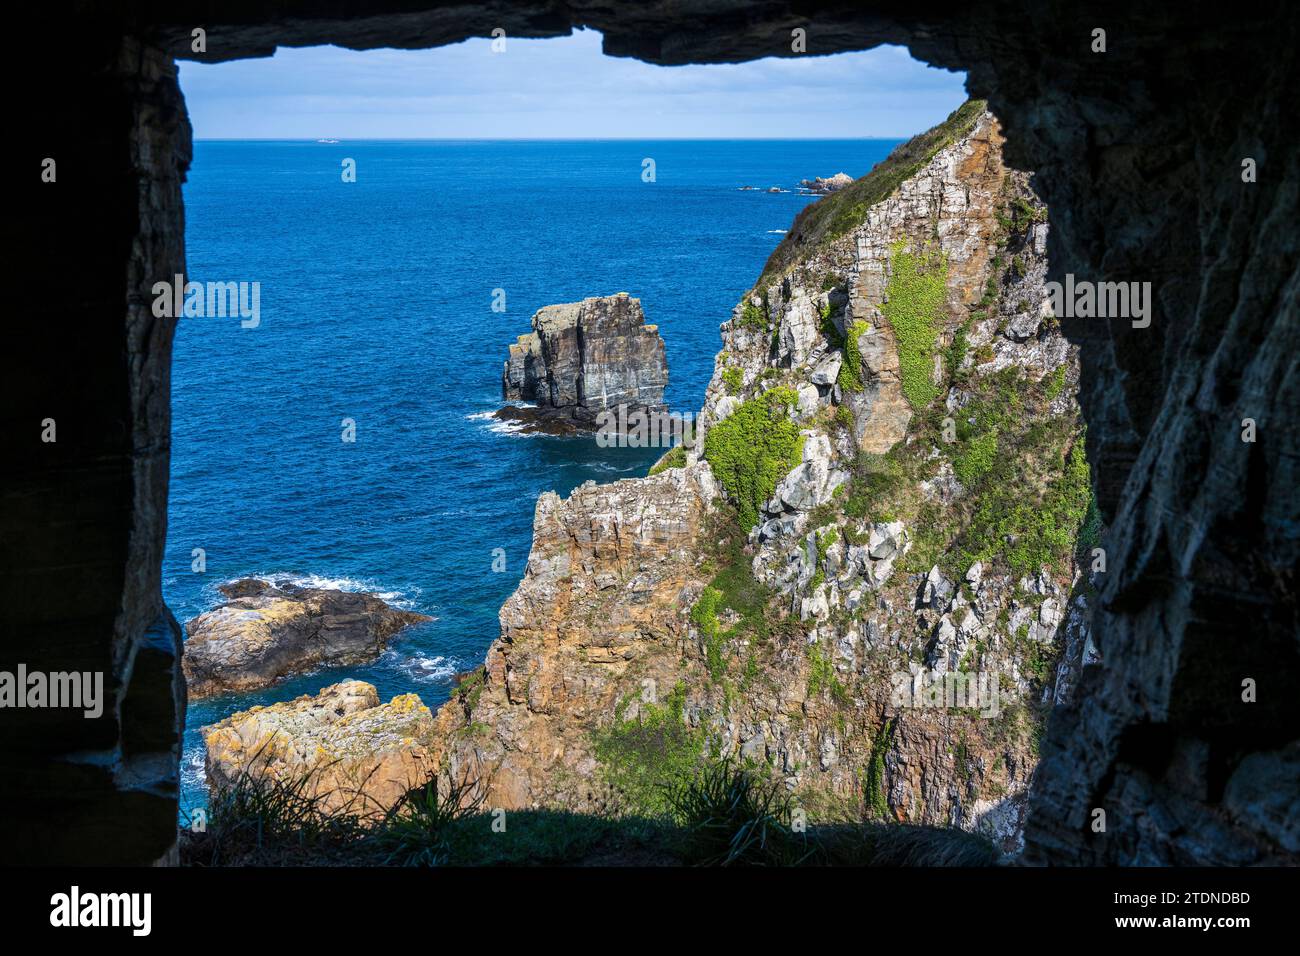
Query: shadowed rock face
[266, 632]
[1138, 155]
[583, 358]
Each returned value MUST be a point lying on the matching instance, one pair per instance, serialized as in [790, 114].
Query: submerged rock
[353, 752]
[584, 358]
[269, 631]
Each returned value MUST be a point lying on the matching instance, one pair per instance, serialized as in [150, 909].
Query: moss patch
[753, 449]
[643, 757]
[914, 299]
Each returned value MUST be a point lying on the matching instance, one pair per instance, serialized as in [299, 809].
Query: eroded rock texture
[1138, 152]
[598, 609]
[340, 745]
[265, 632]
[584, 358]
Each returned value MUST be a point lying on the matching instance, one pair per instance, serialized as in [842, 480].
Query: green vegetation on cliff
[836, 214]
[644, 756]
[976, 459]
[675, 457]
[704, 615]
[1029, 532]
[850, 376]
[753, 449]
[914, 298]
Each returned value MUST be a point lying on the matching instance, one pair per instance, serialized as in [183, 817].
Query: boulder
[813, 482]
[826, 184]
[267, 631]
[798, 332]
[827, 370]
[347, 748]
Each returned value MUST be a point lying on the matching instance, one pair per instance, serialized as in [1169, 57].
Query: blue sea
[376, 305]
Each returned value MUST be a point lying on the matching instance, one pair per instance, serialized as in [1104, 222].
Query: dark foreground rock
[266, 632]
[584, 358]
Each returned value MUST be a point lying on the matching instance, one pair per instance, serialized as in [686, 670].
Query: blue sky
[562, 88]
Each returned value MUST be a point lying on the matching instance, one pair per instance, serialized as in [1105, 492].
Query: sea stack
[584, 358]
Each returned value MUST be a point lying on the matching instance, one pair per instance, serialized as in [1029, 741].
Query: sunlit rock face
[1137, 155]
[585, 358]
[340, 746]
[267, 631]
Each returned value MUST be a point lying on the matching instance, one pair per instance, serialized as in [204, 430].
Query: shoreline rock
[268, 631]
[357, 754]
[828, 184]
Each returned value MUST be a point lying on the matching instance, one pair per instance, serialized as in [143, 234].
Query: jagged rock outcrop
[849, 605]
[595, 617]
[584, 358]
[349, 750]
[267, 631]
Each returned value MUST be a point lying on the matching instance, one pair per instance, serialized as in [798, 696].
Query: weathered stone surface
[599, 611]
[355, 753]
[812, 482]
[268, 631]
[826, 184]
[584, 358]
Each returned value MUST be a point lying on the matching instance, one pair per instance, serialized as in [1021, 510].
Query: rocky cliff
[583, 358]
[340, 747]
[890, 487]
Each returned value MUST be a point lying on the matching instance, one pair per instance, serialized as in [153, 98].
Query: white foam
[400, 599]
[425, 669]
[192, 767]
[503, 426]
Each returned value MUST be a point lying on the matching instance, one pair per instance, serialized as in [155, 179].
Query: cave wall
[85, 515]
[1137, 152]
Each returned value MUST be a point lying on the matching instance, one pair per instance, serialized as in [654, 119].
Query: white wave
[401, 599]
[514, 429]
[781, 231]
[192, 767]
[425, 669]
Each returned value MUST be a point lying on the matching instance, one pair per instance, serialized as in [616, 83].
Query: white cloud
[563, 87]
